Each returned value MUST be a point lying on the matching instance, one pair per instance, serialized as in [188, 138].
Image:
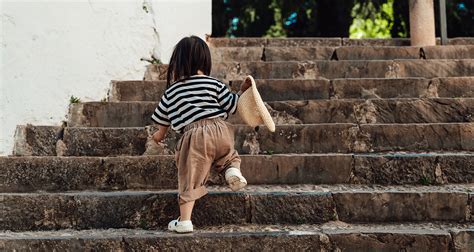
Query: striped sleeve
[160, 115]
[227, 99]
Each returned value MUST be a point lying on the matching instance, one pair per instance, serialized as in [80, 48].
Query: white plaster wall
[51, 50]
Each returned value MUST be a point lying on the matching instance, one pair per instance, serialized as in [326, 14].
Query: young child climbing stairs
[197, 105]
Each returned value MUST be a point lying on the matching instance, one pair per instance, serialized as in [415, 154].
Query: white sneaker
[234, 178]
[180, 226]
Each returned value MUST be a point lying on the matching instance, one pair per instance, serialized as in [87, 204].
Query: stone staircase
[373, 149]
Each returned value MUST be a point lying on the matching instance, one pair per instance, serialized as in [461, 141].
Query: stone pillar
[422, 23]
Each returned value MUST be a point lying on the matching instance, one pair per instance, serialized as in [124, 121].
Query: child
[195, 105]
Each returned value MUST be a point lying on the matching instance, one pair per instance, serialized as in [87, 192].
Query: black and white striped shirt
[189, 100]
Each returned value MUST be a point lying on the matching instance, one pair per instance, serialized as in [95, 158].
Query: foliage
[276, 30]
[425, 181]
[329, 18]
[460, 18]
[74, 99]
[372, 22]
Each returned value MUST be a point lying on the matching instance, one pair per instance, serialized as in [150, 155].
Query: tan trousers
[205, 144]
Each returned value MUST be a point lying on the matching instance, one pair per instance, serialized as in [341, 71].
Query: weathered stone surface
[297, 169]
[334, 69]
[435, 68]
[380, 88]
[322, 138]
[254, 204]
[376, 110]
[318, 237]
[400, 206]
[303, 42]
[376, 53]
[137, 114]
[300, 89]
[36, 140]
[298, 53]
[403, 88]
[84, 210]
[64, 243]
[161, 241]
[376, 42]
[136, 90]
[236, 42]
[281, 89]
[298, 208]
[454, 87]
[463, 239]
[29, 174]
[111, 114]
[105, 142]
[257, 241]
[449, 52]
[413, 169]
[418, 137]
[26, 174]
[395, 240]
[461, 41]
[297, 138]
[155, 72]
[226, 54]
[391, 42]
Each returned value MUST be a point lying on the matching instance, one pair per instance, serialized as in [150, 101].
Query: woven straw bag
[252, 110]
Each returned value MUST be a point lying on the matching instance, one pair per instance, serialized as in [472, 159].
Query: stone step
[313, 42]
[298, 138]
[55, 174]
[332, 69]
[243, 54]
[299, 89]
[400, 110]
[299, 204]
[330, 236]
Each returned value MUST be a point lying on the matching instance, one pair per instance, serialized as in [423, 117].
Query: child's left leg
[186, 210]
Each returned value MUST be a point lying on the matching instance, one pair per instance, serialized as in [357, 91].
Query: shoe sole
[235, 184]
[184, 231]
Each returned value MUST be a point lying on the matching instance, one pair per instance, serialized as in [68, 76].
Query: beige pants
[205, 144]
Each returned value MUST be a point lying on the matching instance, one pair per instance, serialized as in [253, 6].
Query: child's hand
[245, 85]
[159, 135]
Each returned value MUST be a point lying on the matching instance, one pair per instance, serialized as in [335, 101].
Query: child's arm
[160, 116]
[228, 100]
[246, 84]
[160, 134]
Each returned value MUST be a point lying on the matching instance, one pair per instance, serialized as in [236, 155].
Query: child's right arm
[160, 134]
[160, 116]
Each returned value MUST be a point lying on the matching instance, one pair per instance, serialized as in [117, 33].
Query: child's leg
[186, 210]
[194, 157]
[227, 158]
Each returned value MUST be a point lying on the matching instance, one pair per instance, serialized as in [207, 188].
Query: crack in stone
[264, 56]
[352, 177]
[469, 210]
[422, 54]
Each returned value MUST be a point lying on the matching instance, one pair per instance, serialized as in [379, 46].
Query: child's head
[190, 55]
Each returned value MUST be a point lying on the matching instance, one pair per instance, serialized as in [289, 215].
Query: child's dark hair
[190, 55]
